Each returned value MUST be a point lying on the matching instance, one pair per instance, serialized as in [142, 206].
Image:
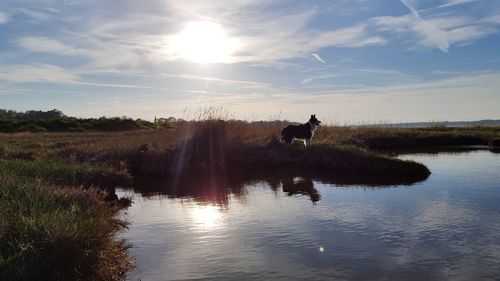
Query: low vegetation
[212, 149]
[57, 202]
[48, 232]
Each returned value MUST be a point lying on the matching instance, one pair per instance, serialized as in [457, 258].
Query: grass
[49, 233]
[213, 148]
[111, 148]
[56, 218]
[60, 173]
[58, 222]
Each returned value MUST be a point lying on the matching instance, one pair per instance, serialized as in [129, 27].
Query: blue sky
[348, 61]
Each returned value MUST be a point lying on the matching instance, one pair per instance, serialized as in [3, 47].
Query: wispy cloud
[267, 35]
[217, 80]
[3, 17]
[10, 91]
[282, 62]
[450, 3]
[38, 14]
[46, 45]
[264, 35]
[494, 19]
[36, 73]
[432, 35]
[318, 77]
[405, 102]
[438, 31]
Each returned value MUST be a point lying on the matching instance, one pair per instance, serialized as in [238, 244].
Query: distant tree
[8, 114]
[31, 115]
[55, 121]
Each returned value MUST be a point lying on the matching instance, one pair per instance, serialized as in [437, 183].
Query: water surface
[304, 228]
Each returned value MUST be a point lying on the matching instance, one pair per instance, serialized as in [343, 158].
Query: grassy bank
[58, 222]
[63, 174]
[53, 233]
[111, 148]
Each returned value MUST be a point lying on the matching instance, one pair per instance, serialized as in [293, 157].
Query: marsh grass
[57, 222]
[49, 233]
[56, 225]
[216, 146]
[63, 174]
[114, 148]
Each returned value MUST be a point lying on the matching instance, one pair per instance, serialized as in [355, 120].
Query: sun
[202, 42]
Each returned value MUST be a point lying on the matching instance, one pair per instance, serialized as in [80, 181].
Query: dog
[304, 132]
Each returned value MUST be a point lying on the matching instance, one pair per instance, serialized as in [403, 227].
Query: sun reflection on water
[206, 216]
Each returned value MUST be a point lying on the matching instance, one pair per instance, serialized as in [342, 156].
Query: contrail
[432, 32]
[316, 56]
[410, 4]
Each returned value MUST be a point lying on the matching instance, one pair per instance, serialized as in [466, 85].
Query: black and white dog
[303, 132]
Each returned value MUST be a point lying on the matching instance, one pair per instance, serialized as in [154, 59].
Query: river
[295, 228]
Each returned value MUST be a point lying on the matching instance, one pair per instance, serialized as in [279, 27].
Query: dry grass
[215, 147]
[48, 233]
[114, 147]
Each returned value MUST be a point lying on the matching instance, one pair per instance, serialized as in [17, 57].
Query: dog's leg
[305, 143]
[308, 142]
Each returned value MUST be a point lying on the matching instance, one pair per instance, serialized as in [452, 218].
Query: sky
[347, 61]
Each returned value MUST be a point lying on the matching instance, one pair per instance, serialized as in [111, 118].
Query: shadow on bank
[209, 166]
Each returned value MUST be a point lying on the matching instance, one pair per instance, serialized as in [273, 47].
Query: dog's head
[313, 120]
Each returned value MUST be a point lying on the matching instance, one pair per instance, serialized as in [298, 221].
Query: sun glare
[206, 217]
[202, 42]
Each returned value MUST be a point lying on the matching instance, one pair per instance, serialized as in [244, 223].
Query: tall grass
[55, 224]
[63, 174]
[113, 148]
[216, 146]
[48, 233]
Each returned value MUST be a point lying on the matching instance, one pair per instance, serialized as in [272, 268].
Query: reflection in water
[217, 189]
[300, 185]
[206, 216]
[246, 227]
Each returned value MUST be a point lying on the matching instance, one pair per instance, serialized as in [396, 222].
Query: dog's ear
[314, 115]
